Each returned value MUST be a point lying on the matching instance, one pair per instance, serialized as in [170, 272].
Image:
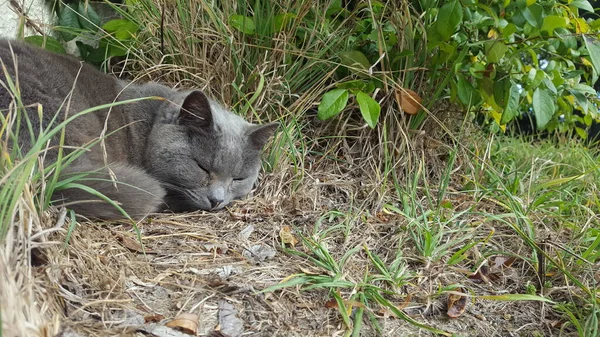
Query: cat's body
[182, 152]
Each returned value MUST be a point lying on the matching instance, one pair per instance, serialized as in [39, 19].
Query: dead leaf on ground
[229, 324]
[410, 101]
[286, 236]
[132, 244]
[153, 318]
[259, 253]
[186, 323]
[457, 304]
[501, 262]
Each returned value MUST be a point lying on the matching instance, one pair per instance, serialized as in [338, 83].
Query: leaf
[410, 101]
[496, 52]
[543, 107]
[354, 58]
[457, 304]
[369, 108]
[466, 92]
[583, 4]
[533, 15]
[88, 18]
[449, 18]
[502, 91]
[47, 42]
[186, 323]
[120, 25]
[593, 46]
[552, 22]
[69, 20]
[512, 105]
[242, 23]
[332, 103]
[509, 30]
[286, 236]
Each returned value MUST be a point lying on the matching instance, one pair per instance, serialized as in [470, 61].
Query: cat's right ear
[195, 111]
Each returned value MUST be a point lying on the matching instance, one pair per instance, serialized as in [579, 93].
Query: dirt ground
[215, 265]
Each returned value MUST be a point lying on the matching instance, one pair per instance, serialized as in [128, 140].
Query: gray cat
[184, 152]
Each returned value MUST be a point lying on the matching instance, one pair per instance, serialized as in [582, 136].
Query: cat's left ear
[195, 111]
[259, 134]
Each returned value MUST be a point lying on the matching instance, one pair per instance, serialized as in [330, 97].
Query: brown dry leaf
[153, 318]
[132, 244]
[501, 262]
[457, 304]
[331, 304]
[186, 323]
[286, 236]
[410, 101]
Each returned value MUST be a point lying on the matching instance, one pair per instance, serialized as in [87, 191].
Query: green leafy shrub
[519, 54]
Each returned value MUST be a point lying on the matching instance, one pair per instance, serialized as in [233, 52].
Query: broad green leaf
[242, 23]
[120, 24]
[88, 18]
[354, 58]
[533, 15]
[583, 4]
[47, 42]
[552, 22]
[509, 30]
[543, 107]
[69, 21]
[502, 91]
[497, 51]
[449, 18]
[467, 94]
[512, 105]
[487, 92]
[332, 103]
[530, 2]
[593, 46]
[369, 108]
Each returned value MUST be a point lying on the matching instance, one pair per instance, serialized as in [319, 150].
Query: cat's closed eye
[239, 179]
[202, 168]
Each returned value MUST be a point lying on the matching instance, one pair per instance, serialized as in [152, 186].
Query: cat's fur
[184, 152]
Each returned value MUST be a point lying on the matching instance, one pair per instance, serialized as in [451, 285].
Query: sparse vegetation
[400, 218]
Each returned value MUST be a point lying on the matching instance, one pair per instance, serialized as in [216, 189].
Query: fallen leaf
[286, 236]
[246, 232]
[457, 304]
[331, 304]
[229, 324]
[153, 318]
[259, 253]
[186, 323]
[501, 262]
[132, 244]
[410, 101]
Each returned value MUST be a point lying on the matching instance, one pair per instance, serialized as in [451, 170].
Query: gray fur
[184, 152]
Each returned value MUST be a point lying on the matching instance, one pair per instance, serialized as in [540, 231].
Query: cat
[182, 152]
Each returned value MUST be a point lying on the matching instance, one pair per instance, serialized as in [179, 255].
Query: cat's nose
[214, 202]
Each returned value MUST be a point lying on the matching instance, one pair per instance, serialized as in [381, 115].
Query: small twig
[15, 7]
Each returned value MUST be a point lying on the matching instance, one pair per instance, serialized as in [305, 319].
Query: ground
[103, 283]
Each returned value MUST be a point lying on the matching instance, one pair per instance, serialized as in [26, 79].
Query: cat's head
[205, 156]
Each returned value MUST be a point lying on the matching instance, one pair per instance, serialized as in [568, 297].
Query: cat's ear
[195, 111]
[259, 134]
